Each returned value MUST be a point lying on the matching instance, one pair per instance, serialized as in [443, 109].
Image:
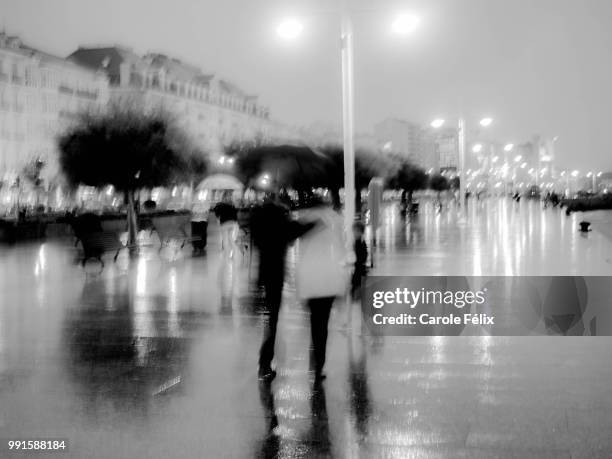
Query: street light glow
[485, 122]
[477, 148]
[437, 123]
[518, 158]
[590, 174]
[405, 24]
[575, 173]
[289, 29]
[509, 147]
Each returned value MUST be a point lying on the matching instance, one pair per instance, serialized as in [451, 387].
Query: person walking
[321, 273]
[227, 214]
[199, 226]
[273, 231]
[360, 267]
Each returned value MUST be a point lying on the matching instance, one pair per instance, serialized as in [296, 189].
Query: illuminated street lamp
[508, 147]
[291, 28]
[405, 24]
[484, 122]
[518, 158]
[437, 123]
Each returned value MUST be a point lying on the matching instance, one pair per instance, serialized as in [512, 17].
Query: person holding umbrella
[273, 231]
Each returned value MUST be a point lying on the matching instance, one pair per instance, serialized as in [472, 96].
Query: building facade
[40, 94]
[417, 144]
[214, 111]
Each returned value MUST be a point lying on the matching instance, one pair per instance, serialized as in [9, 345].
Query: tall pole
[348, 123]
[462, 174]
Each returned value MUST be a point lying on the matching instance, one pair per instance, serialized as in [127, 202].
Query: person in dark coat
[273, 231]
[360, 268]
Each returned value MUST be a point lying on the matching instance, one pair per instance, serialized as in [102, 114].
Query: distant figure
[321, 274]
[554, 199]
[360, 267]
[227, 214]
[517, 197]
[199, 225]
[272, 232]
[149, 205]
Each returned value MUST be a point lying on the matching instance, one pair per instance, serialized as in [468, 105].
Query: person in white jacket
[321, 272]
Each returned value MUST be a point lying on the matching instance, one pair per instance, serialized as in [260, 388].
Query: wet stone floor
[155, 357]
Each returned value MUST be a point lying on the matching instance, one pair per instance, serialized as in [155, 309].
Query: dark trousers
[273, 289]
[320, 309]
[199, 230]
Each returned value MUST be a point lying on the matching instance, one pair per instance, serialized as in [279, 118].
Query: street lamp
[437, 123]
[484, 122]
[508, 147]
[405, 24]
[291, 28]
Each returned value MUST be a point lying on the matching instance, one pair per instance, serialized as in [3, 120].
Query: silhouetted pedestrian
[360, 267]
[272, 231]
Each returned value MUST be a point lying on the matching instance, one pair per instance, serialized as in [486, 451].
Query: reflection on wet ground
[156, 357]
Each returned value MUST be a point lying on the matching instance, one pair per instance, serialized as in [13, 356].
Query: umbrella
[220, 182]
[292, 166]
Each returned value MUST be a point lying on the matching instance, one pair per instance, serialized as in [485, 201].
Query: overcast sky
[535, 66]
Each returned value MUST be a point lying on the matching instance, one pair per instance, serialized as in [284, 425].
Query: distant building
[447, 149]
[409, 140]
[213, 110]
[40, 94]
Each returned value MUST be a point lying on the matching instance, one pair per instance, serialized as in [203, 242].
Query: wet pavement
[156, 356]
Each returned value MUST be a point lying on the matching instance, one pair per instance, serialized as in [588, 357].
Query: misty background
[537, 67]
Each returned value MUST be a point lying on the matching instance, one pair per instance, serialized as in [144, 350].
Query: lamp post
[290, 29]
[348, 122]
[484, 122]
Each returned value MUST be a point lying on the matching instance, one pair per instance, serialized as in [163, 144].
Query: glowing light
[289, 29]
[518, 158]
[523, 166]
[508, 147]
[485, 122]
[575, 173]
[477, 148]
[405, 24]
[437, 123]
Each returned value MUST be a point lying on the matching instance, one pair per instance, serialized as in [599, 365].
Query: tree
[408, 178]
[368, 164]
[129, 149]
[439, 183]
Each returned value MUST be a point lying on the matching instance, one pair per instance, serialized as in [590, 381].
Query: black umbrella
[298, 167]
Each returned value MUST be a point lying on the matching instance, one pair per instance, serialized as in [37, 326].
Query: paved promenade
[156, 357]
